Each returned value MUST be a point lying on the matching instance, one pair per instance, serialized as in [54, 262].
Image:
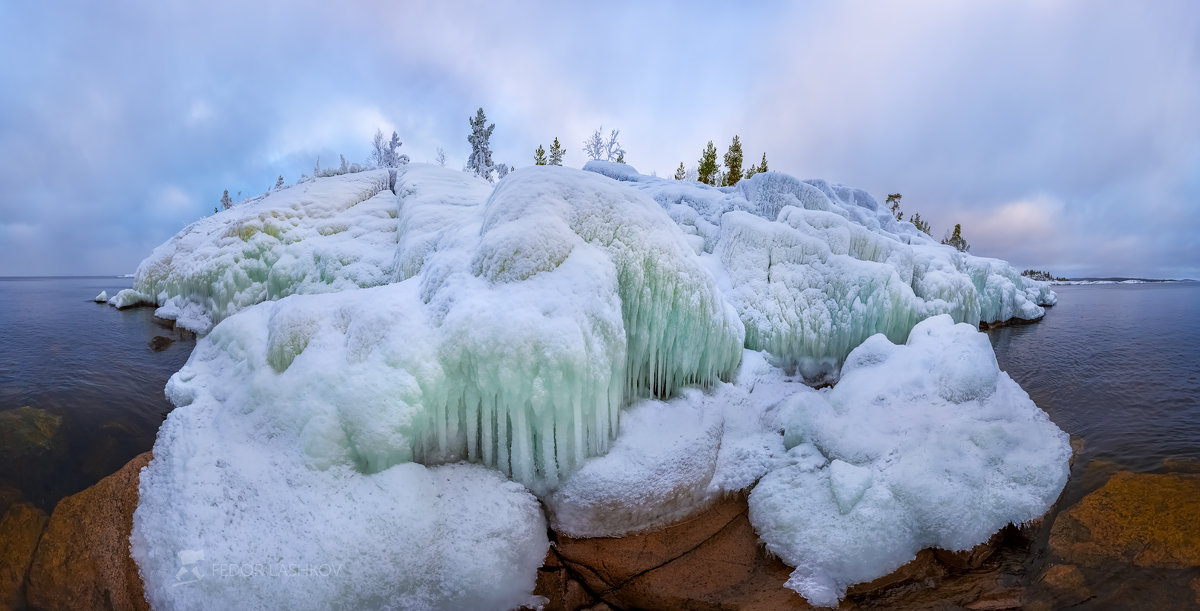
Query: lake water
[88, 372]
[1116, 366]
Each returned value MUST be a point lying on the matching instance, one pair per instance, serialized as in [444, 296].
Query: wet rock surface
[1143, 519]
[83, 561]
[20, 529]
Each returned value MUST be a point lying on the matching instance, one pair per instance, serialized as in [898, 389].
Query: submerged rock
[83, 559]
[160, 342]
[28, 432]
[20, 529]
[1144, 519]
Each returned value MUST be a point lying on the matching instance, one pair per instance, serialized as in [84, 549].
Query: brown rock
[972, 558]
[1182, 465]
[1064, 577]
[1148, 520]
[20, 529]
[1196, 588]
[83, 561]
[158, 343]
[27, 432]
[710, 561]
[8, 497]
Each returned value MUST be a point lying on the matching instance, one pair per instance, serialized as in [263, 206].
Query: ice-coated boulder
[926, 444]
[101, 298]
[315, 237]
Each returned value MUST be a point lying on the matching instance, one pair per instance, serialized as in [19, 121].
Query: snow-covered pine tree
[379, 152]
[708, 164]
[556, 152]
[593, 146]
[480, 162]
[441, 157]
[762, 167]
[226, 201]
[539, 156]
[733, 161]
[681, 173]
[395, 158]
[279, 182]
[612, 148]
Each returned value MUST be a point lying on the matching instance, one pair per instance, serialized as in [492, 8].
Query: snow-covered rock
[322, 236]
[101, 298]
[127, 298]
[926, 444]
[623, 346]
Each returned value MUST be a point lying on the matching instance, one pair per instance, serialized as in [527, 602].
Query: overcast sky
[1062, 135]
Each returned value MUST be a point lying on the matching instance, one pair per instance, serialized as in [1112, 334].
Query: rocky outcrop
[1144, 519]
[714, 560]
[20, 529]
[83, 561]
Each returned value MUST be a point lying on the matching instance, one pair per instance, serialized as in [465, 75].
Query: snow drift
[625, 347]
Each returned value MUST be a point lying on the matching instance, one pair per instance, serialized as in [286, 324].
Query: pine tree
[956, 240]
[762, 167]
[480, 162]
[708, 164]
[915, 219]
[556, 153]
[681, 173]
[893, 201]
[226, 201]
[539, 156]
[279, 183]
[751, 171]
[621, 157]
[733, 161]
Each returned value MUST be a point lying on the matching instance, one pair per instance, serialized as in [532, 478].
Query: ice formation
[674, 457]
[101, 298]
[127, 298]
[926, 444]
[623, 346]
[316, 237]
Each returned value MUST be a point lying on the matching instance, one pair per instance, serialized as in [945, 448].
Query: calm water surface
[1117, 367]
[89, 370]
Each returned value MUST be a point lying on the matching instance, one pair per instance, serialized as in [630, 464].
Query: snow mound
[128, 298]
[322, 236]
[101, 298]
[815, 268]
[623, 346]
[926, 444]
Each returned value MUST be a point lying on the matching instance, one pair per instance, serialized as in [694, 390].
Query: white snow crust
[926, 444]
[627, 348]
[322, 236]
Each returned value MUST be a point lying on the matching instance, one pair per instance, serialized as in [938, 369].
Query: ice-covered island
[388, 384]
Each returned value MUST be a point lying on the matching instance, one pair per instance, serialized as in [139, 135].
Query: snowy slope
[627, 348]
[315, 237]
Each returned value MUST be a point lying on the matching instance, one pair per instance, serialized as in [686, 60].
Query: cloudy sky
[1062, 135]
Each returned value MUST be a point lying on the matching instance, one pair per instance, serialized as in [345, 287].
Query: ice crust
[322, 236]
[101, 298]
[627, 348]
[926, 444]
